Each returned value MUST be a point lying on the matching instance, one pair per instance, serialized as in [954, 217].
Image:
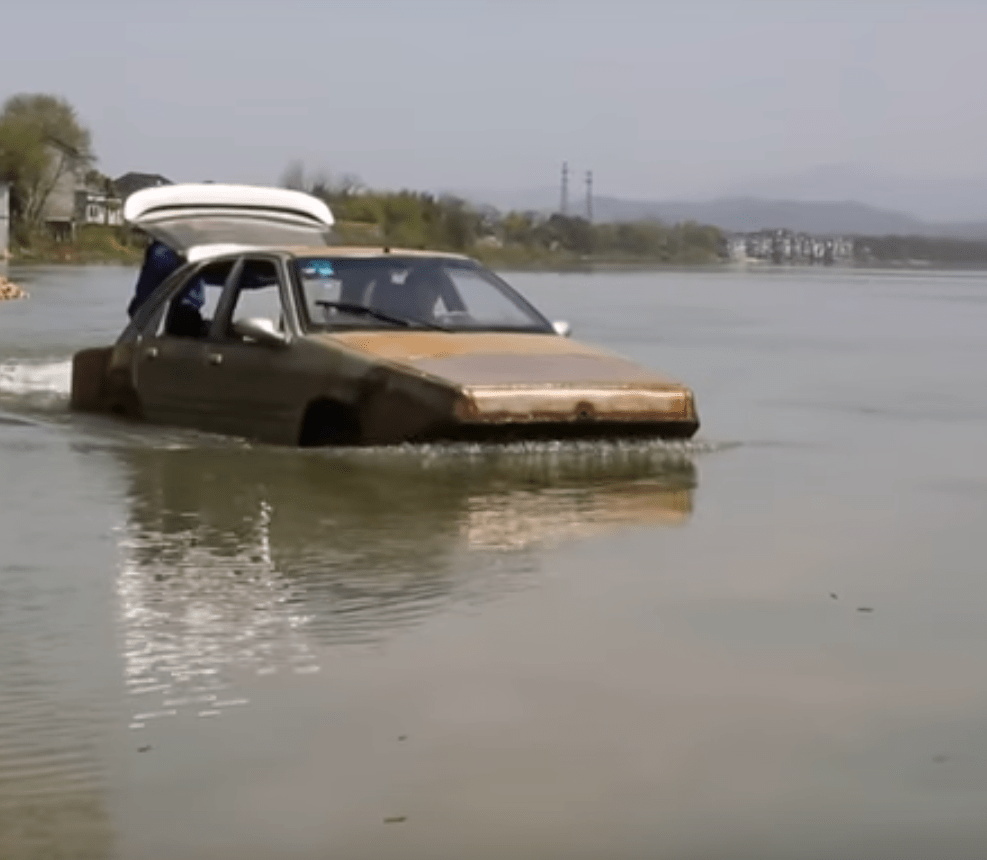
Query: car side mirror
[260, 330]
[562, 328]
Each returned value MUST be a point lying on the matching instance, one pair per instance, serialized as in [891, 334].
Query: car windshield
[411, 292]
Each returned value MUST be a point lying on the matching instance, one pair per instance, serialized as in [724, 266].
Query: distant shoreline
[106, 250]
[587, 268]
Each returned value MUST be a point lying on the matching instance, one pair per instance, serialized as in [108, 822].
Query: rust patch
[89, 370]
[627, 403]
[499, 358]
[416, 345]
[510, 369]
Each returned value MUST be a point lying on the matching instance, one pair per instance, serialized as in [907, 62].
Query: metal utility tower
[564, 202]
[589, 196]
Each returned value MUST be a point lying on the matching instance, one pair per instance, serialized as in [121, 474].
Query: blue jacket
[159, 262]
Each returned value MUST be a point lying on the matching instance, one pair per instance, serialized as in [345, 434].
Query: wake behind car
[295, 341]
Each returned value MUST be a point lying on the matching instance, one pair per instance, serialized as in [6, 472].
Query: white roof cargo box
[188, 216]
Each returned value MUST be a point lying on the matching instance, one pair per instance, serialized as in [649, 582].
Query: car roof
[207, 252]
[369, 251]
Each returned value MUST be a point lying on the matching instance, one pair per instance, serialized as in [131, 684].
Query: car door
[258, 388]
[172, 353]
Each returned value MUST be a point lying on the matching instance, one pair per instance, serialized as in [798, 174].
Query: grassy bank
[93, 243]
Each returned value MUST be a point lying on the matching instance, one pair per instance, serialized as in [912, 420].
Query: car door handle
[151, 352]
[215, 358]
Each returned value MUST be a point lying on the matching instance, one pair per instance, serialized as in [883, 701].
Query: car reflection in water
[247, 559]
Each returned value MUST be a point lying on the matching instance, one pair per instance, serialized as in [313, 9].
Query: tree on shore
[41, 141]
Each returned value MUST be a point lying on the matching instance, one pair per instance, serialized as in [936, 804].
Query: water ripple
[51, 785]
[237, 559]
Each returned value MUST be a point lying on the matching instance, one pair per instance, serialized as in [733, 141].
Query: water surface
[766, 643]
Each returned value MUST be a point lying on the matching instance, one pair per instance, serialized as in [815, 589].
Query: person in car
[159, 262]
[184, 315]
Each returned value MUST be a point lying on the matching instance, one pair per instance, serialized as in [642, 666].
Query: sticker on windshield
[318, 269]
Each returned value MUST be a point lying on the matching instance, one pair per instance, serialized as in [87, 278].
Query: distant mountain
[950, 199]
[971, 230]
[833, 198]
[748, 214]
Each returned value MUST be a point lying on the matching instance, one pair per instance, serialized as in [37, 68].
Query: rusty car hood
[500, 359]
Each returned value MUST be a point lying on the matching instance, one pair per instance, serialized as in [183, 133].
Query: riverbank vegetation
[92, 244]
[920, 251]
[415, 219]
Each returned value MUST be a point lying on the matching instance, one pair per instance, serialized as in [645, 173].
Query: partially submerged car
[299, 342]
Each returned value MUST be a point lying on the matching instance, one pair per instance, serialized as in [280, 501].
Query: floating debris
[865, 609]
[396, 819]
[10, 290]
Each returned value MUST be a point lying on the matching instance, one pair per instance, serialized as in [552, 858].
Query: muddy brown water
[767, 643]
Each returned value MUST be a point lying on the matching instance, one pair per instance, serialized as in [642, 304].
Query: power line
[564, 202]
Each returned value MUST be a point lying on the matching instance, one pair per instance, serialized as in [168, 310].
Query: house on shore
[81, 197]
[130, 182]
[65, 173]
[786, 247]
[75, 203]
[97, 206]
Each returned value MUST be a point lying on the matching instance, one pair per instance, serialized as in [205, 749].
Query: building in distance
[787, 247]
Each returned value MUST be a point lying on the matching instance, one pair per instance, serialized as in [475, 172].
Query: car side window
[257, 294]
[190, 311]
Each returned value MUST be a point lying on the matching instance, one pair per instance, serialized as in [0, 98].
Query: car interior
[190, 313]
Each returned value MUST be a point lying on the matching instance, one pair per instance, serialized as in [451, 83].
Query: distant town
[785, 247]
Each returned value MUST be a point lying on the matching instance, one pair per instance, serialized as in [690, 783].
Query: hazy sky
[657, 98]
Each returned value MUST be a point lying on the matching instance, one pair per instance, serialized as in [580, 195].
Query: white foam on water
[50, 379]
[601, 449]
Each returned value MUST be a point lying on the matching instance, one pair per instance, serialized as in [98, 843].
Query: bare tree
[41, 141]
[294, 176]
[321, 184]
